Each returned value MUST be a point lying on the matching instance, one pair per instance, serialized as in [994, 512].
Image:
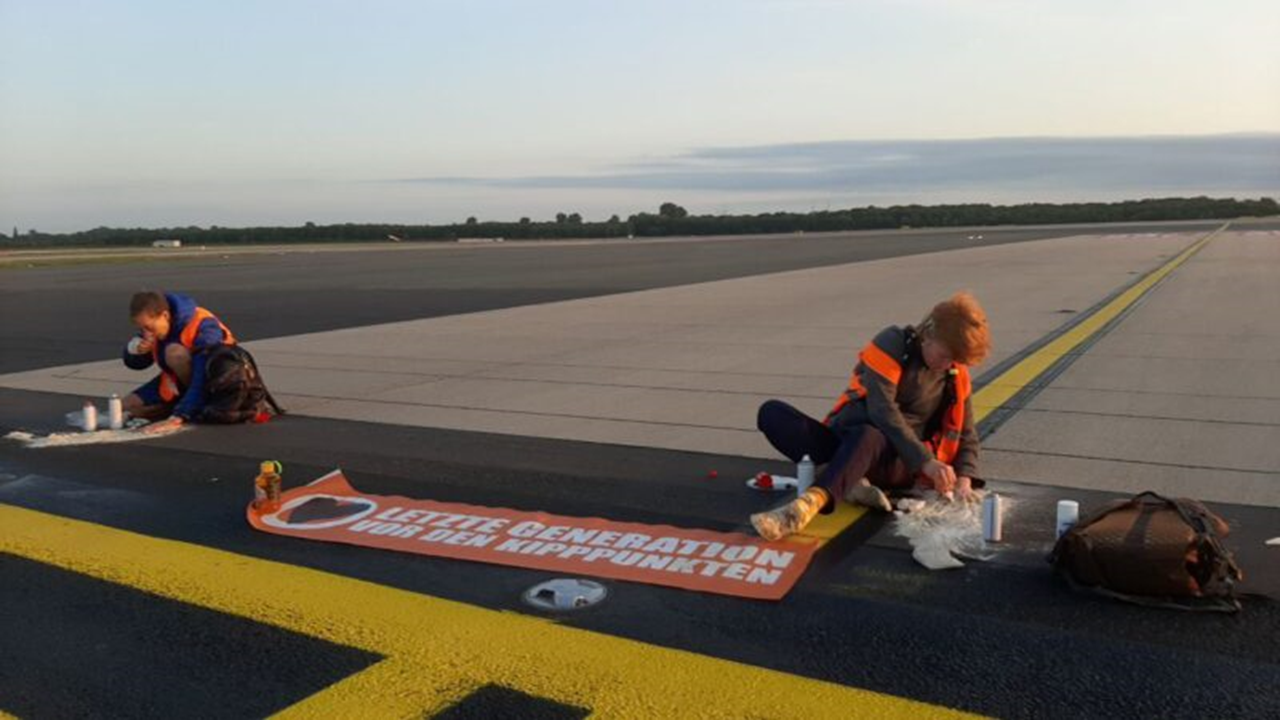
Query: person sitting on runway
[174, 334]
[905, 416]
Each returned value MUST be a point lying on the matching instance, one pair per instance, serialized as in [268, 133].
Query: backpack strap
[1190, 604]
[1223, 572]
[910, 336]
[1226, 571]
[271, 400]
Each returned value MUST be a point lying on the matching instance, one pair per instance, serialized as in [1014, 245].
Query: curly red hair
[960, 323]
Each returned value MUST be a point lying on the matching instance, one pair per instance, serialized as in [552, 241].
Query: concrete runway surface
[605, 380]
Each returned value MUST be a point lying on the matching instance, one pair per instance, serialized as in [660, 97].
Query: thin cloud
[1237, 162]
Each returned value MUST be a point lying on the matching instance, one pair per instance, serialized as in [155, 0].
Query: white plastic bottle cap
[90, 417]
[115, 412]
[804, 475]
[1068, 515]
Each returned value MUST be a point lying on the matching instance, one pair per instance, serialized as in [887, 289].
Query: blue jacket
[209, 335]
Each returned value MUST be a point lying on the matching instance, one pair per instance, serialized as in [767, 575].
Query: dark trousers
[857, 452]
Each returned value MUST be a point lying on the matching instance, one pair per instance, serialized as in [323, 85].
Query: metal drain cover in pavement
[565, 594]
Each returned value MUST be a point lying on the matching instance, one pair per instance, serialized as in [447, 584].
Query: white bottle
[993, 518]
[1068, 515]
[90, 416]
[115, 412]
[804, 475]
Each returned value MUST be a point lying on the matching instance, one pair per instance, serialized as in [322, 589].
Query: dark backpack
[233, 388]
[1152, 550]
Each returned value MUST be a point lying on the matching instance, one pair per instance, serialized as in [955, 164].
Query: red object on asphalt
[764, 481]
[261, 418]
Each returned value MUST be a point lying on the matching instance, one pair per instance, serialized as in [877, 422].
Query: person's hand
[145, 344]
[964, 489]
[941, 475]
[169, 424]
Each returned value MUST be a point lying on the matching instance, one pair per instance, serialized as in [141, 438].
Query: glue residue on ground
[101, 437]
[941, 532]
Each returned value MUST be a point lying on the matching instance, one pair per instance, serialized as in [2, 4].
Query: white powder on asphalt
[942, 532]
[101, 437]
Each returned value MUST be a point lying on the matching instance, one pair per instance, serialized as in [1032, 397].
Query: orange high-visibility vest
[169, 387]
[945, 443]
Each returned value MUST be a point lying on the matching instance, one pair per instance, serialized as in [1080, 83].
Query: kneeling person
[174, 334]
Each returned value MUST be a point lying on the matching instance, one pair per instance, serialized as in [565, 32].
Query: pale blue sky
[234, 113]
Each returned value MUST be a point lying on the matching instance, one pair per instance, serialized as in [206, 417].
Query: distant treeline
[671, 219]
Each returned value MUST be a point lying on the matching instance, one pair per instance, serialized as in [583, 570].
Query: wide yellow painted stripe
[438, 650]
[825, 527]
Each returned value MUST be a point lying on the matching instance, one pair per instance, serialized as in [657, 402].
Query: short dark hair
[147, 302]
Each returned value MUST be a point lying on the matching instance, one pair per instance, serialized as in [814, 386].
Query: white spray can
[115, 412]
[1068, 515]
[90, 416]
[993, 518]
[804, 475]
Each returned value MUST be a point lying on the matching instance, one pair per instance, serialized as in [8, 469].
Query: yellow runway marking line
[997, 392]
[825, 528]
[1010, 382]
[437, 651]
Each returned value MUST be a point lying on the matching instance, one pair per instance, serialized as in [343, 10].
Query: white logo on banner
[281, 518]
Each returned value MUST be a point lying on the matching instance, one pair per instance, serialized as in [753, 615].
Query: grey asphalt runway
[78, 312]
[69, 621]
[1006, 640]
[1003, 639]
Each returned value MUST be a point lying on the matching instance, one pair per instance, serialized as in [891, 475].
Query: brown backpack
[1152, 550]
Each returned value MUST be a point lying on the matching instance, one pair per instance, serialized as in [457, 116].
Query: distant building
[167, 244]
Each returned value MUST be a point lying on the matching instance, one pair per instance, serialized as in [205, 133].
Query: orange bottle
[267, 486]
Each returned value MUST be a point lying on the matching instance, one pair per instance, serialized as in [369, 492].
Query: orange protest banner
[330, 510]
